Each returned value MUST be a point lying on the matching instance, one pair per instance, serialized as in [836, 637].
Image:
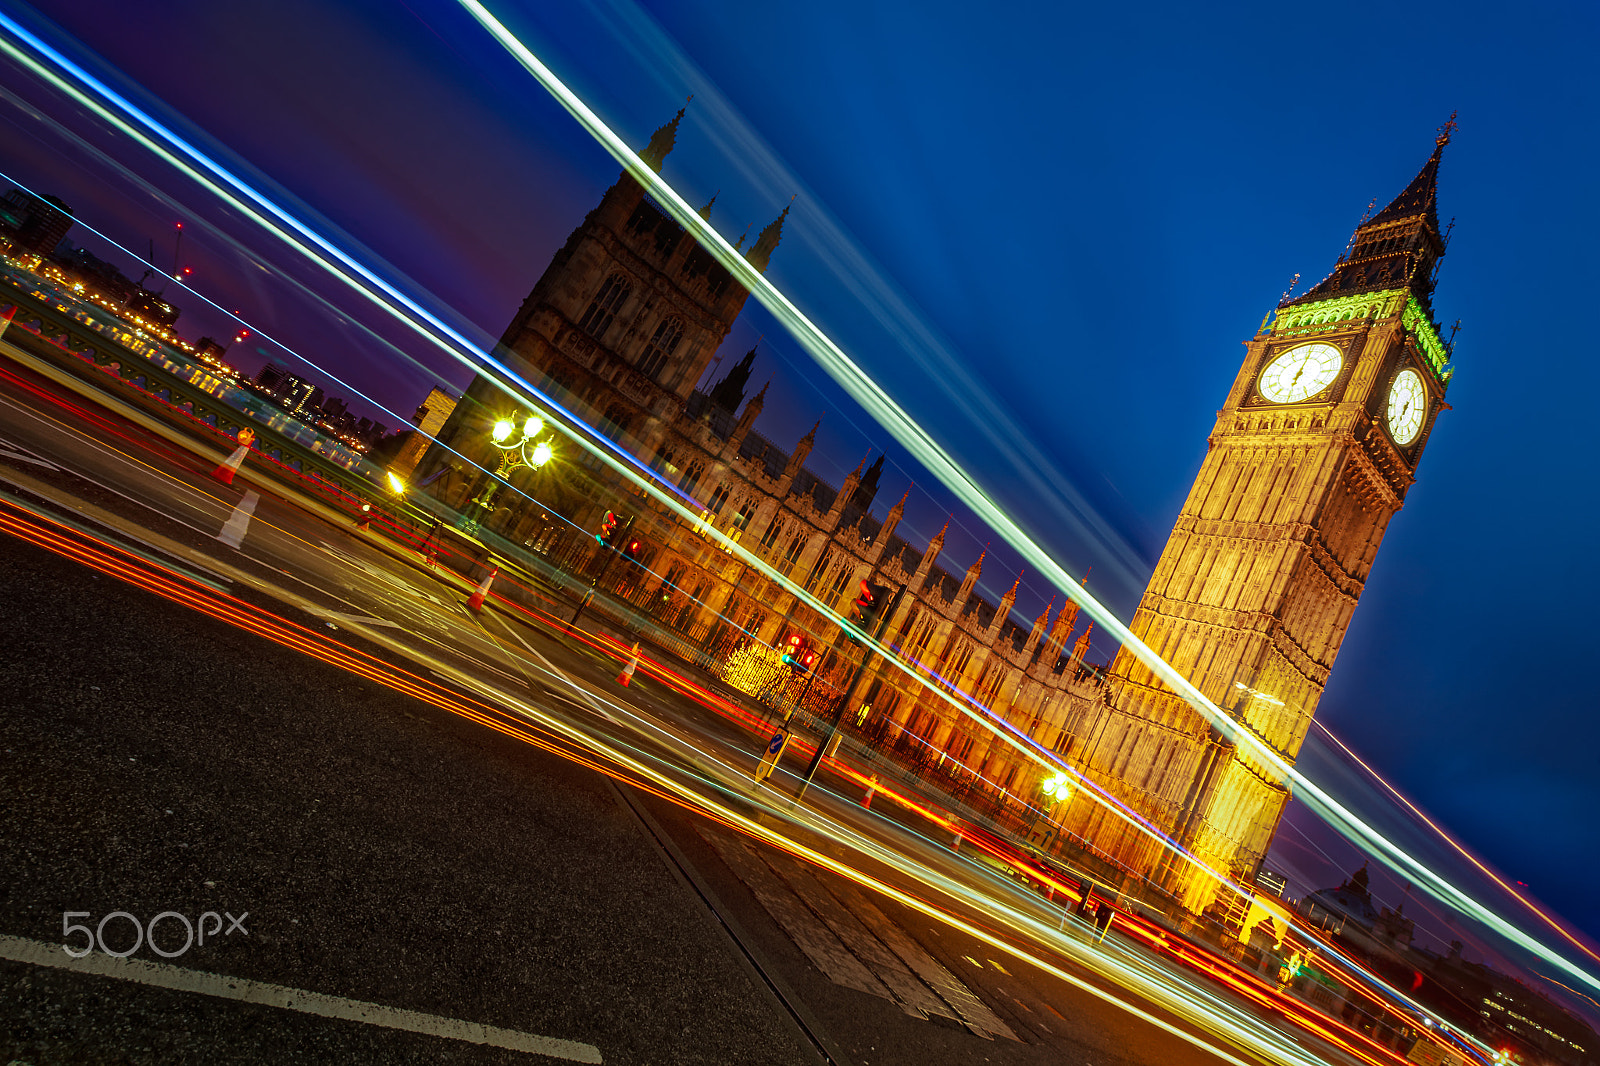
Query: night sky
[1089, 206]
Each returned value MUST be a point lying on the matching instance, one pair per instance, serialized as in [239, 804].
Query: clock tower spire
[1312, 454]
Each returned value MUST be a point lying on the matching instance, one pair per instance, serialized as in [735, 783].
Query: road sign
[774, 752]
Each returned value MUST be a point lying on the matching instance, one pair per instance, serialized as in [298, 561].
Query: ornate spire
[728, 393]
[760, 253]
[1012, 595]
[705, 212]
[1399, 246]
[661, 142]
[900, 508]
[975, 571]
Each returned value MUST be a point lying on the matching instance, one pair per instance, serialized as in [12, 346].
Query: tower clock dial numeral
[1300, 373]
[1408, 402]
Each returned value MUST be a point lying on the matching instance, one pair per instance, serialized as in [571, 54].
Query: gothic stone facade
[1250, 598]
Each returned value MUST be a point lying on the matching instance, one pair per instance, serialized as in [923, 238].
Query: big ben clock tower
[1311, 456]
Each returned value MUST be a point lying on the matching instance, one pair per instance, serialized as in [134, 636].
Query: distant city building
[152, 308]
[205, 346]
[333, 409]
[37, 224]
[99, 278]
[295, 394]
[429, 419]
[272, 376]
[1275, 883]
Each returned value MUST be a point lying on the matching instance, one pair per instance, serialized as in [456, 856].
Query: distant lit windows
[597, 319]
[661, 346]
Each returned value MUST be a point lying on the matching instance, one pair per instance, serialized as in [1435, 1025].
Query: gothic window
[840, 578]
[718, 498]
[662, 463]
[661, 346]
[770, 537]
[604, 307]
[818, 569]
[615, 422]
[556, 381]
[741, 521]
[697, 470]
[792, 556]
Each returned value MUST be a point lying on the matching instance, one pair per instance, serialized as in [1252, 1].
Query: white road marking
[358, 619]
[162, 975]
[238, 522]
[25, 456]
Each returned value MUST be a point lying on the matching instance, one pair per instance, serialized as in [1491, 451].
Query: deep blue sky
[1095, 204]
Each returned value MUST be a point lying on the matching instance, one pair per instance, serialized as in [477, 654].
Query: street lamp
[518, 448]
[1058, 790]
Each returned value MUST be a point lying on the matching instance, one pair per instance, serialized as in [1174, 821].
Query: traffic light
[869, 606]
[632, 550]
[792, 649]
[608, 528]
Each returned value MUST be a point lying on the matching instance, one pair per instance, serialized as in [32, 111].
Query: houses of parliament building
[1311, 455]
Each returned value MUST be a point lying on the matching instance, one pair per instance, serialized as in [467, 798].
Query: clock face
[1300, 373]
[1408, 402]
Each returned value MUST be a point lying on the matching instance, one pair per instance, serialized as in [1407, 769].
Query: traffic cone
[872, 790]
[230, 466]
[475, 601]
[627, 671]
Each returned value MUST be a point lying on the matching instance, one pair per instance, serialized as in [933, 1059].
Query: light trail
[238, 194]
[168, 584]
[1459, 848]
[371, 286]
[911, 436]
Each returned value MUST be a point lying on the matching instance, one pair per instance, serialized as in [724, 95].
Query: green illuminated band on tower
[1417, 321]
[1340, 311]
[1335, 311]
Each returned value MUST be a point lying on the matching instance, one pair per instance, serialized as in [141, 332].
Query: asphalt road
[393, 856]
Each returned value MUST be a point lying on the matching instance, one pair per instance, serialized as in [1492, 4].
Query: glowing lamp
[542, 453]
[396, 486]
[533, 426]
[502, 430]
[1058, 787]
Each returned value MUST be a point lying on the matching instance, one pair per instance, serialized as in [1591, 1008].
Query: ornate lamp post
[519, 446]
[1058, 792]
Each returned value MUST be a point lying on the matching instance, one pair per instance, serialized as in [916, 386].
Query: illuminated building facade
[620, 328]
[1311, 456]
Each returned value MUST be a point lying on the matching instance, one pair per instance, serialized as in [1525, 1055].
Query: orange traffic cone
[475, 601]
[230, 466]
[872, 790]
[627, 671]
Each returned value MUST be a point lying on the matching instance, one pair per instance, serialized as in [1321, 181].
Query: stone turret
[760, 253]
[974, 572]
[797, 460]
[752, 410]
[886, 531]
[661, 142]
[1081, 648]
[1063, 627]
[1008, 601]
[931, 553]
[1039, 625]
